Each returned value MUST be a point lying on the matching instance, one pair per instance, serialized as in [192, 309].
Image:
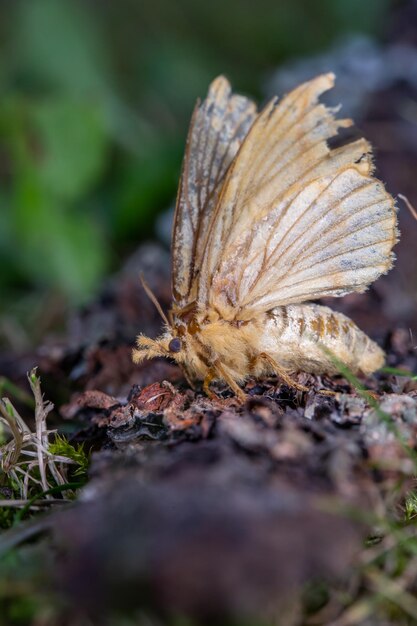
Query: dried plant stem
[37, 505]
[41, 412]
[9, 414]
[391, 589]
[27, 459]
[408, 205]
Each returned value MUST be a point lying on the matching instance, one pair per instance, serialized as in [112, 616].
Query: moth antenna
[152, 297]
[408, 205]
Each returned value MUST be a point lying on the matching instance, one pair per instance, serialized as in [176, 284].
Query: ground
[214, 509]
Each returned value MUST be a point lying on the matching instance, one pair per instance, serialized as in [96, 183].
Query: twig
[408, 205]
[38, 503]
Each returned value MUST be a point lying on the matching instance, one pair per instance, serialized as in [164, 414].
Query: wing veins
[223, 174]
[323, 290]
[346, 252]
[283, 213]
[201, 155]
[287, 164]
[332, 241]
[296, 181]
[329, 208]
[286, 109]
[334, 256]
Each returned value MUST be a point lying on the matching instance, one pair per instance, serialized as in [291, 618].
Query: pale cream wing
[218, 127]
[296, 220]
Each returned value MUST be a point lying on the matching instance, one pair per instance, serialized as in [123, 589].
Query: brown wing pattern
[296, 220]
[218, 127]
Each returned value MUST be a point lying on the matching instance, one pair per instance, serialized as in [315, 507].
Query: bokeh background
[95, 99]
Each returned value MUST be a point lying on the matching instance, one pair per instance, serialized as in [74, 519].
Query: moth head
[167, 345]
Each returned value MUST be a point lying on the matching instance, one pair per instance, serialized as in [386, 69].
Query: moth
[269, 217]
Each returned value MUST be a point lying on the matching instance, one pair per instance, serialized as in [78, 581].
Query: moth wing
[296, 220]
[218, 127]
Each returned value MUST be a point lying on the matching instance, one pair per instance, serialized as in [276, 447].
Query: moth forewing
[268, 217]
[218, 126]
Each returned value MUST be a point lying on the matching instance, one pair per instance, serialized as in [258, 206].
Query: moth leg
[283, 374]
[278, 369]
[217, 371]
[186, 375]
[211, 374]
[229, 380]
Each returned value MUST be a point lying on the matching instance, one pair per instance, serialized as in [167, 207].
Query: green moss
[62, 447]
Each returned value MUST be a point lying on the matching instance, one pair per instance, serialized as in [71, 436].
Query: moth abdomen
[313, 338]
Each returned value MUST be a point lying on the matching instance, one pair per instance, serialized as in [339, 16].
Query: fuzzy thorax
[198, 351]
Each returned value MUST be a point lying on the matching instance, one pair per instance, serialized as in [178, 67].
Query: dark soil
[213, 509]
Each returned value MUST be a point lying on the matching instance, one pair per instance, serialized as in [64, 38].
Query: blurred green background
[95, 100]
